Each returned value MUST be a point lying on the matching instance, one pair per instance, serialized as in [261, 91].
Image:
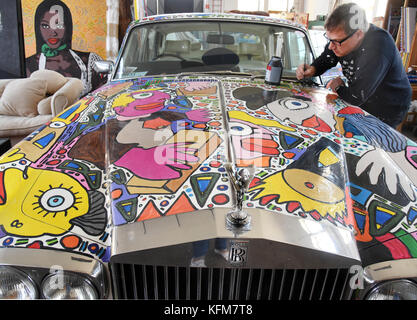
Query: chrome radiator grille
[184, 283]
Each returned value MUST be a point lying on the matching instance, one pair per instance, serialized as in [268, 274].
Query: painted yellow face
[314, 192]
[40, 202]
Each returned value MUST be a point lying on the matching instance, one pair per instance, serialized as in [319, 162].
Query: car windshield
[211, 46]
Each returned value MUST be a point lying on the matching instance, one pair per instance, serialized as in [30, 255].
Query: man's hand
[334, 84]
[305, 71]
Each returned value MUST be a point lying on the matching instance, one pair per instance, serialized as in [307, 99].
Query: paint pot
[274, 71]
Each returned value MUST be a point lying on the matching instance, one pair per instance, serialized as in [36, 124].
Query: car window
[197, 46]
[298, 45]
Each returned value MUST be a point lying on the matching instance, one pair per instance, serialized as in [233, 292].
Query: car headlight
[64, 285]
[394, 290]
[15, 284]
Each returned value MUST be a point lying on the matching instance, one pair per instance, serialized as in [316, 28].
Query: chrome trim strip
[249, 284]
[155, 283]
[334, 283]
[135, 291]
[314, 284]
[177, 283]
[238, 283]
[294, 277]
[166, 281]
[221, 282]
[225, 118]
[324, 284]
[303, 285]
[210, 284]
[281, 289]
[95, 271]
[347, 277]
[389, 270]
[209, 224]
[122, 273]
[271, 285]
[145, 281]
[261, 279]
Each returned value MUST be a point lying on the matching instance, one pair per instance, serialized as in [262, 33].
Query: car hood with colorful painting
[145, 169]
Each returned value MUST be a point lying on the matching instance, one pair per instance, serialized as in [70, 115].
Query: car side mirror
[104, 66]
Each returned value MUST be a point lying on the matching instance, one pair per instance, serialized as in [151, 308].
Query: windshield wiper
[235, 73]
[218, 72]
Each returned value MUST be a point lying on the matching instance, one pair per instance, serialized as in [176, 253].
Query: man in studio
[371, 63]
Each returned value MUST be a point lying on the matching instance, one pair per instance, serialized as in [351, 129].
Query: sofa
[27, 104]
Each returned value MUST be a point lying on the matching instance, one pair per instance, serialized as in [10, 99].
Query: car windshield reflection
[207, 46]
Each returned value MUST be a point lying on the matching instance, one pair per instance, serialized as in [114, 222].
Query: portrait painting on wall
[11, 40]
[67, 37]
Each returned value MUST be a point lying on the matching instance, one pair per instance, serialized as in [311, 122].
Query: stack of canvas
[408, 27]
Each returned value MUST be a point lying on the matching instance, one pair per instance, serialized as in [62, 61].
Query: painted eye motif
[142, 95]
[57, 200]
[294, 104]
[239, 129]
[57, 124]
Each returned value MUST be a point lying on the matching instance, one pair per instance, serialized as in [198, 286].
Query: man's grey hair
[350, 17]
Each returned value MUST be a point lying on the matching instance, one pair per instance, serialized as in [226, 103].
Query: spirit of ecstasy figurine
[238, 219]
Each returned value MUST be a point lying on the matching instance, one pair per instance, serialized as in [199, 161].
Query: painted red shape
[2, 188]
[289, 155]
[315, 215]
[220, 199]
[267, 199]
[351, 110]
[264, 146]
[156, 123]
[255, 181]
[292, 206]
[35, 245]
[395, 246]
[182, 205]
[70, 242]
[150, 212]
[317, 123]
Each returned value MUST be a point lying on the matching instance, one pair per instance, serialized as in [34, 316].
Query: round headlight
[65, 285]
[394, 290]
[15, 284]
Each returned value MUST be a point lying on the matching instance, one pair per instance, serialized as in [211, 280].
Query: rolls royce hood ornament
[238, 220]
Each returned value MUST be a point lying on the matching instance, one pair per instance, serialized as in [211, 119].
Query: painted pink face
[146, 102]
[251, 141]
[52, 29]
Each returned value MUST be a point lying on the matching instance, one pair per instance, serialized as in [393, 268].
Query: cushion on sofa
[21, 97]
[44, 106]
[54, 80]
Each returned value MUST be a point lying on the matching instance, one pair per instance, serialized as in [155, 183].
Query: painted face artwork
[45, 205]
[253, 144]
[140, 104]
[52, 27]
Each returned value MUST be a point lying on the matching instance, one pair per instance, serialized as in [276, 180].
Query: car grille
[184, 283]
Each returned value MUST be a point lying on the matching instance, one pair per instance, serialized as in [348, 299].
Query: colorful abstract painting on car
[144, 149]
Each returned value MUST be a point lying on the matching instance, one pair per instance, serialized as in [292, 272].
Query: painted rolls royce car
[188, 177]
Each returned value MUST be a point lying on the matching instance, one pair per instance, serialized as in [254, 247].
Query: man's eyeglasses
[338, 42]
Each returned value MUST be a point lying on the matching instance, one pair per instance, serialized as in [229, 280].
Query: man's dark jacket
[376, 79]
